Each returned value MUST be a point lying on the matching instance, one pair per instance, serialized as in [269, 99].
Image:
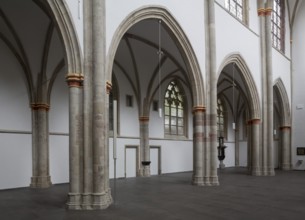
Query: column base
[255, 171]
[211, 181]
[40, 182]
[198, 181]
[221, 165]
[214, 181]
[86, 201]
[270, 171]
[145, 171]
[286, 166]
[101, 200]
[74, 201]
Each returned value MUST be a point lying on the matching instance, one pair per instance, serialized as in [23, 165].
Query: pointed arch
[186, 50]
[251, 90]
[68, 33]
[280, 90]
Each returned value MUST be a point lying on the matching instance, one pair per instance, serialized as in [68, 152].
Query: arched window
[220, 119]
[278, 25]
[238, 8]
[174, 120]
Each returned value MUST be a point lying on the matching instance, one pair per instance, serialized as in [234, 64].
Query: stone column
[106, 162]
[198, 143]
[249, 145]
[75, 119]
[255, 166]
[88, 160]
[100, 140]
[211, 91]
[237, 145]
[41, 175]
[269, 82]
[285, 149]
[144, 146]
[261, 14]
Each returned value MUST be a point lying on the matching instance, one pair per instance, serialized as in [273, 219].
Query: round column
[99, 124]
[198, 143]
[144, 146]
[285, 150]
[255, 166]
[74, 197]
[41, 175]
[87, 106]
[269, 81]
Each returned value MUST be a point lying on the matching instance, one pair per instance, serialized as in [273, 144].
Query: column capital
[261, 12]
[143, 118]
[108, 86]
[40, 106]
[198, 108]
[75, 79]
[268, 11]
[285, 128]
[254, 121]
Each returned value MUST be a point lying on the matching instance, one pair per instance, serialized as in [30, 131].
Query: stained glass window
[174, 120]
[277, 25]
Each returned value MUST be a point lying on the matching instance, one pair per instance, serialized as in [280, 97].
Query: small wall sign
[301, 151]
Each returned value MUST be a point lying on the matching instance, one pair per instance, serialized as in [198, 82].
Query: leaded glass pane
[173, 130]
[166, 120]
[236, 8]
[166, 128]
[166, 110]
[173, 121]
[180, 121]
[174, 105]
[277, 24]
[180, 131]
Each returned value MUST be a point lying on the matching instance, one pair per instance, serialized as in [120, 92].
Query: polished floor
[171, 196]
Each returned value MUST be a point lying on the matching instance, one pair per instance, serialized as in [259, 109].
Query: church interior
[152, 109]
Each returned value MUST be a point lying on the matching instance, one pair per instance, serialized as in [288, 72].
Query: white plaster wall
[59, 158]
[185, 13]
[229, 161]
[298, 125]
[253, 23]
[15, 160]
[75, 8]
[59, 106]
[121, 144]
[15, 113]
[243, 154]
[233, 37]
[59, 124]
[281, 69]
[176, 156]
[128, 116]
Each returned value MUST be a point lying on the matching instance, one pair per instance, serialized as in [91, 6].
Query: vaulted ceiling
[29, 33]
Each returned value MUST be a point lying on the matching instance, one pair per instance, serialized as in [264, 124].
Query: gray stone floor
[173, 197]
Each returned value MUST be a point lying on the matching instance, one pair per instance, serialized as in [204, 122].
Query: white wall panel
[15, 113]
[243, 154]
[59, 106]
[131, 162]
[15, 160]
[298, 125]
[59, 159]
[154, 161]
